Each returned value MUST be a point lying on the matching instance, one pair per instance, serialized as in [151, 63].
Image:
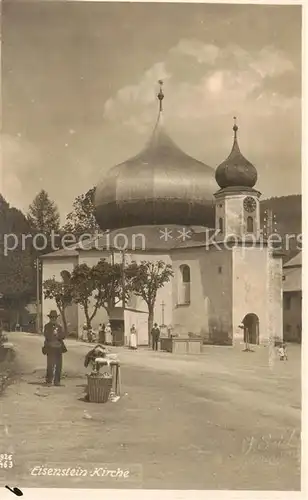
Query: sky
[79, 85]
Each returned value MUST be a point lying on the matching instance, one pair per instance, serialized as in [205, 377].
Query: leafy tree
[61, 293]
[101, 285]
[43, 215]
[145, 279]
[82, 219]
[109, 281]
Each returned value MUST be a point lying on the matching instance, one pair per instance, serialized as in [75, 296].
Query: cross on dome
[160, 95]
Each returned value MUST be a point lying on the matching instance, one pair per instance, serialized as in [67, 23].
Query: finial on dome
[235, 127]
[160, 95]
[236, 171]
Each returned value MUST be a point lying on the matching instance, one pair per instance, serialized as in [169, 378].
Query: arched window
[184, 284]
[221, 225]
[249, 224]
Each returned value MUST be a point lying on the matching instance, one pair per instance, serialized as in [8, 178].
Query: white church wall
[91, 257]
[235, 223]
[164, 295]
[236, 216]
[210, 305]
[275, 298]
[217, 283]
[52, 268]
[140, 320]
[250, 288]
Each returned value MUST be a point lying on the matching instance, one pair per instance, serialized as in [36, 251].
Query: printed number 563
[6, 465]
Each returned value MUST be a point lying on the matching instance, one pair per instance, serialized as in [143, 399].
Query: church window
[249, 224]
[184, 285]
[220, 269]
[221, 224]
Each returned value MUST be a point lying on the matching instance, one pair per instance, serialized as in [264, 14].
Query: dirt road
[221, 420]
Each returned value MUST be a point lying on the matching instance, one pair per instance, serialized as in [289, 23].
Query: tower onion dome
[161, 185]
[236, 171]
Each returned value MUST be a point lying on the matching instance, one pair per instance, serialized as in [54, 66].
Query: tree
[145, 279]
[17, 275]
[61, 293]
[109, 281]
[101, 284]
[82, 218]
[43, 215]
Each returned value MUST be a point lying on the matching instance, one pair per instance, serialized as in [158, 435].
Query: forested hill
[288, 212]
[16, 267]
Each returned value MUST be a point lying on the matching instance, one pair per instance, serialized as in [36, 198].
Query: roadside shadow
[37, 383]
[84, 399]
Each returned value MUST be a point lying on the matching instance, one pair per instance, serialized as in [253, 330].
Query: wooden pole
[123, 280]
[163, 312]
[38, 322]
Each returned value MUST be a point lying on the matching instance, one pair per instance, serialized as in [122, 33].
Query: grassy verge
[8, 372]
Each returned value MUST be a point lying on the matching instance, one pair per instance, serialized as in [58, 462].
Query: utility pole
[123, 280]
[37, 266]
[163, 312]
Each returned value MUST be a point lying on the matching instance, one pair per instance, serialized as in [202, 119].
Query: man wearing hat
[54, 347]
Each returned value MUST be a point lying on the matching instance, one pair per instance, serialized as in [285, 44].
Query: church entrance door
[251, 328]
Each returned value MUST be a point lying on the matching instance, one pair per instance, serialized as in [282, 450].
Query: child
[282, 352]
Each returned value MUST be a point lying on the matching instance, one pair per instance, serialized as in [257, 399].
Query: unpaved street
[221, 420]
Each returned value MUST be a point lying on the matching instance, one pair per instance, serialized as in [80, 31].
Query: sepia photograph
[151, 246]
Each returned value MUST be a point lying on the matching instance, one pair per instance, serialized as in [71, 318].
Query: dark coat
[155, 332]
[51, 337]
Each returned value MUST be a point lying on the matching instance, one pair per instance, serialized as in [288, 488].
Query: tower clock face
[250, 204]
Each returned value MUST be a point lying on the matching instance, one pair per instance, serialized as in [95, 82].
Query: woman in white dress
[133, 338]
[108, 334]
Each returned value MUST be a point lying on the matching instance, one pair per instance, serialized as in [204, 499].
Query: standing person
[2, 336]
[155, 332]
[54, 347]
[90, 335]
[133, 338]
[108, 334]
[84, 332]
[101, 333]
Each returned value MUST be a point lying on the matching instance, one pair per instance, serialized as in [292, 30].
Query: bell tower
[237, 209]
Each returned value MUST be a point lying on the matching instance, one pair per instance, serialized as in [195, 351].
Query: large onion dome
[161, 185]
[236, 171]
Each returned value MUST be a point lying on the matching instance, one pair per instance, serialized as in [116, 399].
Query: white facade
[214, 286]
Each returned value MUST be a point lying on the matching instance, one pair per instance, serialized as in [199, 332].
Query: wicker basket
[99, 388]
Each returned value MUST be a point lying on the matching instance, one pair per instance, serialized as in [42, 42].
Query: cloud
[137, 96]
[205, 86]
[269, 63]
[217, 81]
[203, 53]
[19, 158]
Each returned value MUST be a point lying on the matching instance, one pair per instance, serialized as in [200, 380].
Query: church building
[163, 204]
